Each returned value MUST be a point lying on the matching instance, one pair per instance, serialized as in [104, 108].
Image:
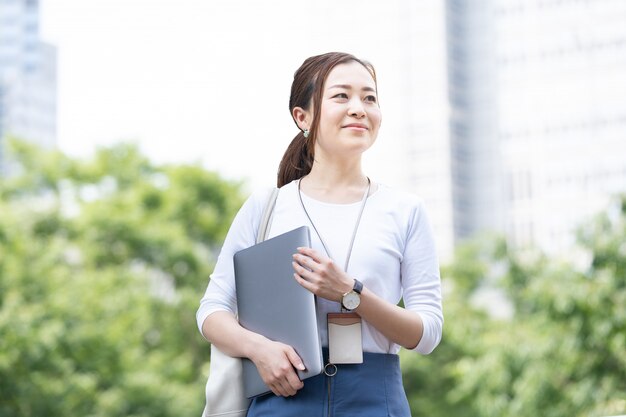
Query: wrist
[346, 288]
[252, 347]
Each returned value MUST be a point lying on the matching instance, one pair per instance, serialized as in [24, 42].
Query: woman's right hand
[277, 364]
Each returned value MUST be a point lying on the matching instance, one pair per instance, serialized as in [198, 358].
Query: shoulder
[408, 211]
[259, 197]
[405, 208]
[256, 203]
[398, 199]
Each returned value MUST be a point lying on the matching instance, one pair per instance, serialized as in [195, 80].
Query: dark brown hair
[307, 89]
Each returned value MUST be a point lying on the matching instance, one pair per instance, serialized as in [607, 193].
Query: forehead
[351, 73]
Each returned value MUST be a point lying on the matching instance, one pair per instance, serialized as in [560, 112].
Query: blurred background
[131, 132]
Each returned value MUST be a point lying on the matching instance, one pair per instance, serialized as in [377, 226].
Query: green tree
[561, 353]
[434, 382]
[102, 263]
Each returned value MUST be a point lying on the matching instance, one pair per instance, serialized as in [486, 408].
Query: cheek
[377, 119]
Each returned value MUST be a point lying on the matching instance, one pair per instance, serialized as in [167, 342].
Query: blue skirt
[371, 389]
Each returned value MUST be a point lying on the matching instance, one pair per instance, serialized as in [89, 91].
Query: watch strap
[358, 286]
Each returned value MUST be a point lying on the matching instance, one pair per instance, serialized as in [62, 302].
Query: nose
[356, 108]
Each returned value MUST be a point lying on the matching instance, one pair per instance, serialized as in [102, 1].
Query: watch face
[351, 300]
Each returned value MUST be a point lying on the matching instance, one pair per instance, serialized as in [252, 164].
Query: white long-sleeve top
[394, 255]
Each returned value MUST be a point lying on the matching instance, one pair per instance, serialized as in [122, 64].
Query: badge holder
[345, 345]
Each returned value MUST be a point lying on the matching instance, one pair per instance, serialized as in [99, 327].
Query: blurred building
[421, 118]
[537, 90]
[27, 77]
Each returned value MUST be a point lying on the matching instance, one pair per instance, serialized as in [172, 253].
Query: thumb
[295, 359]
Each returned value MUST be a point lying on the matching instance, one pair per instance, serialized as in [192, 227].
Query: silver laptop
[272, 303]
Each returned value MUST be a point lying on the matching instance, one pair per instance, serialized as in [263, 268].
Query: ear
[302, 118]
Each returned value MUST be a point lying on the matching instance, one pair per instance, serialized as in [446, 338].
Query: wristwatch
[352, 299]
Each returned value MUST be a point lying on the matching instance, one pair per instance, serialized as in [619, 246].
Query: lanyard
[356, 226]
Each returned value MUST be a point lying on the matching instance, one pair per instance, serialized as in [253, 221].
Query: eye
[371, 99]
[341, 95]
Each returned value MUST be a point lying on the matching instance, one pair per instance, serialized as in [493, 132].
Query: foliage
[562, 351]
[102, 263]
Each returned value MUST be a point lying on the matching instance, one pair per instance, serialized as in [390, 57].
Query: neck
[340, 184]
[327, 177]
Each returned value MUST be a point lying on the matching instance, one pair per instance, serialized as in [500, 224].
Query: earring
[306, 133]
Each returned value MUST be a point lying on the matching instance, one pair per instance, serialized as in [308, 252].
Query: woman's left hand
[320, 275]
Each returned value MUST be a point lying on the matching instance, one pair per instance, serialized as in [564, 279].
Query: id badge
[344, 338]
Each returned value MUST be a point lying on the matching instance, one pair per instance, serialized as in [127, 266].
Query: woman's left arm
[419, 325]
[320, 275]
[397, 324]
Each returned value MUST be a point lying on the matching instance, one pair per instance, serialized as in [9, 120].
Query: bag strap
[266, 219]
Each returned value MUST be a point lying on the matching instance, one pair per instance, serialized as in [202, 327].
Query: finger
[304, 283]
[294, 383]
[286, 389]
[312, 253]
[302, 270]
[285, 383]
[292, 377]
[306, 262]
[276, 390]
[280, 386]
[295, 360]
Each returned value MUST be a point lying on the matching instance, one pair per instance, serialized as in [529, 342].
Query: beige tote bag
[224, 387]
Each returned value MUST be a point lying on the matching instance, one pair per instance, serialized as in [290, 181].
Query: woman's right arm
[275, 361]
[216, 314]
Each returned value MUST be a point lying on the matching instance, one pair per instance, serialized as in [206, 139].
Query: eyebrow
[349, 87]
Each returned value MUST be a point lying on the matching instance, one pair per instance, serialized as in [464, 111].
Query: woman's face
[349, 115]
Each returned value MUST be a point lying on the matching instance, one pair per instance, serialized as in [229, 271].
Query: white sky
[203, 80]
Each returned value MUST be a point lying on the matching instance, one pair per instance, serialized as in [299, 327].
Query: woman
[371, 246]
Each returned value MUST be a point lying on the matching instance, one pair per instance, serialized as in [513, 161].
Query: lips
[356, 126]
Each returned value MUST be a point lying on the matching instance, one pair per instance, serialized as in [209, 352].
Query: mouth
[356, 126]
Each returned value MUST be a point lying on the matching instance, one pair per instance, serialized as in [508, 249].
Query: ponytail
[297, 160]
